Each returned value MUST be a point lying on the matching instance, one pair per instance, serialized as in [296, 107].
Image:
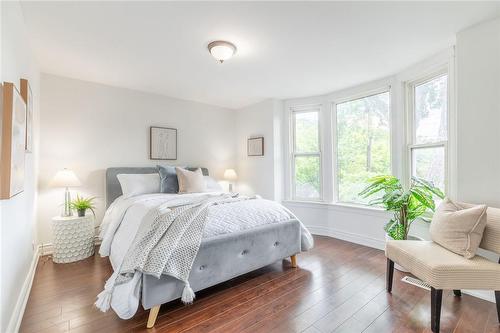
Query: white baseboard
[487, 295]
[348, 236]
[17, 314]
[46, 249]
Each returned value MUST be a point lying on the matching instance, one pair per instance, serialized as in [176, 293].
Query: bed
[221, 257]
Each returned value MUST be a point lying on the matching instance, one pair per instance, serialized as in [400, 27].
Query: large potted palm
[406, 204]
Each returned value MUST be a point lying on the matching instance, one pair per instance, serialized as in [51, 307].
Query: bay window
[332, 153]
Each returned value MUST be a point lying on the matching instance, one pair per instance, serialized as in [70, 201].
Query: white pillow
[190, 181]
[459, 227]
[212, 185]
[136, 184]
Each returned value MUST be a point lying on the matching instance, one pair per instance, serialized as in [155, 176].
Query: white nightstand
[73, 238]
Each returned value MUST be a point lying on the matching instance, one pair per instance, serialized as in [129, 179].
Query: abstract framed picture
[162, 143]
[255, 146]
[27, 95]
[13, 142]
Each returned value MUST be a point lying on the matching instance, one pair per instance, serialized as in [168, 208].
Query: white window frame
[366, 93]
[293, 153]
[411, 129]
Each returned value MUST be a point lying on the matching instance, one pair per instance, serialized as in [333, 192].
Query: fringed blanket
[168, 245]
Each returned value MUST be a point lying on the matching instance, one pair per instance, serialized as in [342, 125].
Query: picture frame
[255, 146]
[27, 95]
[13, 142]
[162, 143]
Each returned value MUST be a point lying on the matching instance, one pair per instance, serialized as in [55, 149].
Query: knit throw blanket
[169, 246]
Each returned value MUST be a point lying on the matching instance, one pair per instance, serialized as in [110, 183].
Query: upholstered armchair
[443, 269]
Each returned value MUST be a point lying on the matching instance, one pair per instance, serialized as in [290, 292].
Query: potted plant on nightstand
[81, 204]
[406, 204]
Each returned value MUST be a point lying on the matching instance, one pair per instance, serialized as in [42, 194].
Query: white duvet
[123, 218]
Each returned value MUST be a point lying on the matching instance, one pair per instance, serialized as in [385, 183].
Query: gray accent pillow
[168, 179]
[458, 227]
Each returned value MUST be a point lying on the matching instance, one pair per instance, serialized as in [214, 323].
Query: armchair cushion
[443, 269]
[458, 228]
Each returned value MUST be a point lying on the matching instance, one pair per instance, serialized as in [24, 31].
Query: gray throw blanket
[168, 245]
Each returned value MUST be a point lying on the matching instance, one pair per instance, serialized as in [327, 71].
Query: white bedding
[123, 218]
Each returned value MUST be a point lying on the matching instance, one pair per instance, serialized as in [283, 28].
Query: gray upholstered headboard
[113, 188]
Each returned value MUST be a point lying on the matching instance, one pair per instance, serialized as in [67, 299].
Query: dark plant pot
[81, 212]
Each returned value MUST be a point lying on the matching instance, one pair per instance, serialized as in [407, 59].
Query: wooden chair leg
[497, 299]
[294, 260]
[153, 313]
[436, 299]
[457, 292]
[389, 274]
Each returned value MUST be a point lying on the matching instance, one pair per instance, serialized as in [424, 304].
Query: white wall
[260, 174]
[17, 214]
[89, 127]
[478, 118]
[478, 84]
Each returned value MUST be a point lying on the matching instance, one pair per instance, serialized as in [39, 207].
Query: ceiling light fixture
[221, 50]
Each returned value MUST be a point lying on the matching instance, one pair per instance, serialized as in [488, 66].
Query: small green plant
[81, 204]
[406, 204]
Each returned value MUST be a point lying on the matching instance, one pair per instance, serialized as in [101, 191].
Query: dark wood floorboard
[338, 287]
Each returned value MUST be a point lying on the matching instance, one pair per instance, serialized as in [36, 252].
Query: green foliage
[363, 144]
[406, 204]
[81, 203]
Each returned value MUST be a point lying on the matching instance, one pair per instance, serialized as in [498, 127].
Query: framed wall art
[27, 96]
[163, 143]
[13, 142]
[255, 146]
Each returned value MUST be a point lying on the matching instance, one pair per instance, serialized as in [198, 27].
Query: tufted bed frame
[220, 258]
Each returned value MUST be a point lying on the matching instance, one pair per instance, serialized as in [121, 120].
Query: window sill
[345, 207]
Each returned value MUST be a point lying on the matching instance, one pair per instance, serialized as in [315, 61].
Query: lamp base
[230, 188]
[67, 204]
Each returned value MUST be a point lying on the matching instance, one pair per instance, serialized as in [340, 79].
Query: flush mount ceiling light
[221, 50]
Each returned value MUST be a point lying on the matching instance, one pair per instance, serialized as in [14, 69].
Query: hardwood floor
[338, 287]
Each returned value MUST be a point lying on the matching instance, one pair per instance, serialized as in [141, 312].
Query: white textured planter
[397, 266]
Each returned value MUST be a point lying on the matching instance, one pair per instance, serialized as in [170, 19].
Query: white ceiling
[285, 49]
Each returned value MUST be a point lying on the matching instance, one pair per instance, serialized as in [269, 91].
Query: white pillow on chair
[458, 227]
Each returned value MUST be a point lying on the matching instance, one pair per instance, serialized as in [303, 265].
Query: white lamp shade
[230, 174]
[65, 178]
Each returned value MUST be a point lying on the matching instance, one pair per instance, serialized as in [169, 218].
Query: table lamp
[66, 178]
[230, 175]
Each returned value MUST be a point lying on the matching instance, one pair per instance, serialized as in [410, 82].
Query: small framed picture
[255, 146]
[162, 143]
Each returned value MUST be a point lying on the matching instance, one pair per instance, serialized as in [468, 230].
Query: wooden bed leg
[153, 313]
[294, 260]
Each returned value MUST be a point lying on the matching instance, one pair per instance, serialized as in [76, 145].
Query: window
[306, 159]
[428, 106]
[363, 144]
